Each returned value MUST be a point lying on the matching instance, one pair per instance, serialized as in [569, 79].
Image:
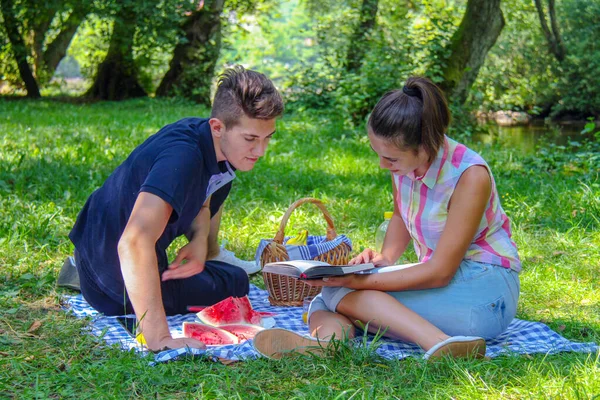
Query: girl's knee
[329, 325]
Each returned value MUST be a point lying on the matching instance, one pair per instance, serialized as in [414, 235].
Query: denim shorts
[481, 300]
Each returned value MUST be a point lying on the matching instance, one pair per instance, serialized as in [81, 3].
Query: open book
[310, 269]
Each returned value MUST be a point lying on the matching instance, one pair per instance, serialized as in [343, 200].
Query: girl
[465, 287]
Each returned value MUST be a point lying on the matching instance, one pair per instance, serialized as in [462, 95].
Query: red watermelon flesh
[242, 331]
[209, 335]
[232, 310]
[196, 309]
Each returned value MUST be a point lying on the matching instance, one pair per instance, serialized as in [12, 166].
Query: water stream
[528, 138]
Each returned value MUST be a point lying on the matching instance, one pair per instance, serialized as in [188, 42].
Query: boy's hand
[195, 256]
[170, 343]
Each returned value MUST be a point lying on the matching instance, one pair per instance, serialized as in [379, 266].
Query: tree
[360, 38]
[19, 49]
[47, 56]
[57, 49]
[35, 24]
[117, 75]
[478, 31]
[557, 47]
[192, 67]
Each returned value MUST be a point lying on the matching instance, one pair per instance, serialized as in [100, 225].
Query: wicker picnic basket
[285, 290]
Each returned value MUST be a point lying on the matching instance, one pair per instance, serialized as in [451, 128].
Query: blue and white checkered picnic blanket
[521, 337]
[315, 246]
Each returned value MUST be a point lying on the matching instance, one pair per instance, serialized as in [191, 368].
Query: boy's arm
[139, 267]
[213, 235]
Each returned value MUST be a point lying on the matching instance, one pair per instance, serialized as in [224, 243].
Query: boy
[170, 186]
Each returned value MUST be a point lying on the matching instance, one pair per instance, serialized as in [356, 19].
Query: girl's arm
[466, 209]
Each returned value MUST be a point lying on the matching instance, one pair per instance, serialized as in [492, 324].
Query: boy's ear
[217, 126]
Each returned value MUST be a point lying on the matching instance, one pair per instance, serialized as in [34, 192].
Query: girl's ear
[217, 127]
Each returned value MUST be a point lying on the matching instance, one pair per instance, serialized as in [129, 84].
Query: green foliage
[157, 31]
[579, 75]
[90, 44]
[521, 74]
[40, 25]
[304, 47]
[8, 67]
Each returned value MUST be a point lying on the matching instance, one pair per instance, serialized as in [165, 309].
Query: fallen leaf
[30, 358]
[559, 253]
[34, 326]
[561, 328]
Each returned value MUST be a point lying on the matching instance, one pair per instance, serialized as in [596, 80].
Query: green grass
[53, 155]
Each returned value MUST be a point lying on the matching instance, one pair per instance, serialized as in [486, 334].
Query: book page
[301, 265]
[390, 268]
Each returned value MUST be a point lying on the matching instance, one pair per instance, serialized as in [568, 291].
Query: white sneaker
[229, 257]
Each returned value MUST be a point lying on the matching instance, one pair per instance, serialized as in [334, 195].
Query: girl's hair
[245, 92]
[416, 115]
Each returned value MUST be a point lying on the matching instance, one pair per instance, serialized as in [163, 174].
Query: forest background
[540, 57]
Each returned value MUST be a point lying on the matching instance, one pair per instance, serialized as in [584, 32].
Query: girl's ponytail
[417, 115]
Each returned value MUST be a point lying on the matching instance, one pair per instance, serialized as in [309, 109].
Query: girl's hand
[370, 256]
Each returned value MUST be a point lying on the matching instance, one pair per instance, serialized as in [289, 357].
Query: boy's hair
[245, 92]
[416, 115]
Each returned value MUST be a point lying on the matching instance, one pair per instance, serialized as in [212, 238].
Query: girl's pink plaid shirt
[423, 204]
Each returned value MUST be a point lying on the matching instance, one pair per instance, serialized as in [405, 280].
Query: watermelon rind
[242, 331]
[209, 335]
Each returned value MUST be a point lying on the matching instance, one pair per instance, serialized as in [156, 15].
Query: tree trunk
[557, 47]
[192, 67]
[57, 50]
[39, 36]
[478, 31]
[11, 25]
[359, 42]
[116, 78]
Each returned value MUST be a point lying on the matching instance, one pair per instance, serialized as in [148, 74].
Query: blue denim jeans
[481, 300]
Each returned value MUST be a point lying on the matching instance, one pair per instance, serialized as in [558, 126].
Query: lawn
[53, 155]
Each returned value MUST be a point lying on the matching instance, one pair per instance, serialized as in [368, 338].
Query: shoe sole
[277, 343]
[68, 276]
[464, 349]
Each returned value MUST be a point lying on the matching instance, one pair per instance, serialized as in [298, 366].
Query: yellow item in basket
[299, 240]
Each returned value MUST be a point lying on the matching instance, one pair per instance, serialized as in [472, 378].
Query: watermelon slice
[232, 310]
[242, 331]
[209, 335]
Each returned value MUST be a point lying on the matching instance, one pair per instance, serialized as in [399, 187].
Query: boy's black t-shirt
[174, 164]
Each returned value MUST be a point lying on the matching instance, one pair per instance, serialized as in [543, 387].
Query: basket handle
[331, 234]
